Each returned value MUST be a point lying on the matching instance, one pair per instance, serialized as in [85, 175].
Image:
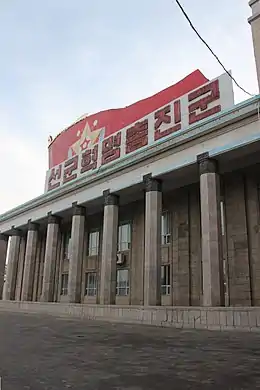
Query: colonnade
[210, 244]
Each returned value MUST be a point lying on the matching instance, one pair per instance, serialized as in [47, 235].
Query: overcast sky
[63, 58]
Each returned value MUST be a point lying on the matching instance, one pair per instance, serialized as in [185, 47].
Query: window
[166, 228]
[67, 246]
[93, 243]
[64, 284]
[166, 280]
[124, 237]
[122, 282]
[91, 284]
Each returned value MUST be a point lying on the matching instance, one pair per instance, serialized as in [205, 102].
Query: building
[154, 204]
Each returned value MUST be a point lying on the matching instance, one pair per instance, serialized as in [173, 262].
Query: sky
[61, 59]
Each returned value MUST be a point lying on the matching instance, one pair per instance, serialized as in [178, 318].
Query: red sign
[94, 147]
[86, 133]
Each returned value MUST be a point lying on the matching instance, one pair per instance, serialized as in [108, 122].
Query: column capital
[3, 237]
[53, 218]
[78, 210]
[16, 232]
[206, 164]
[110, 199]
[32, 226]
[152, 184]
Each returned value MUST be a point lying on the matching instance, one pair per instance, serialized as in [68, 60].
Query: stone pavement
[40, 352]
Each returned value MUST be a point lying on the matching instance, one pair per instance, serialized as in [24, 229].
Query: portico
[177, 226]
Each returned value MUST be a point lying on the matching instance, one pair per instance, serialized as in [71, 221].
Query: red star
[84, 144]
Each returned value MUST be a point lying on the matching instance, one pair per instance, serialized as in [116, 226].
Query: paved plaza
[42, 352]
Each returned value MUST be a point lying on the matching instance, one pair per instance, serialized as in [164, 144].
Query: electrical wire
[212, 52]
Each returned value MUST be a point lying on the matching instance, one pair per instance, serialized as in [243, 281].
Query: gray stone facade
[37, 271]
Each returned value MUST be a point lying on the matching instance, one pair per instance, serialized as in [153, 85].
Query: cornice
[253, 17]
[252, 2]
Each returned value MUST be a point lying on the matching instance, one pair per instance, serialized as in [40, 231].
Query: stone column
[57, 275]
[30, 261]
[20, 267]
[37, 269]
[50, 259]
[109, 250]
[152, 255]
[254, 21]
[3, 252]
[212, 262]
[12, 264]
[76, 257]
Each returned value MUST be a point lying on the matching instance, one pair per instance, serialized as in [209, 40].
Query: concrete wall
[137, 255]
[92, 263]
[184, 250]
[253, 226]
[237, 240]
[240, 319]
[242, 230]
[181, 249]
[39, 276]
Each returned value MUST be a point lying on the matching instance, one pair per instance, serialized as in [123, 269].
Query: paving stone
[41, 352]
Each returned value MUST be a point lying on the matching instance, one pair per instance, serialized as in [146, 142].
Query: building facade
[177, 223]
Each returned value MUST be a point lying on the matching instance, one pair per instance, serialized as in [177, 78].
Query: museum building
[153, 204]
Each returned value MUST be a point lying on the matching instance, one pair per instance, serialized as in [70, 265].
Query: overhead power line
[212, 52]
